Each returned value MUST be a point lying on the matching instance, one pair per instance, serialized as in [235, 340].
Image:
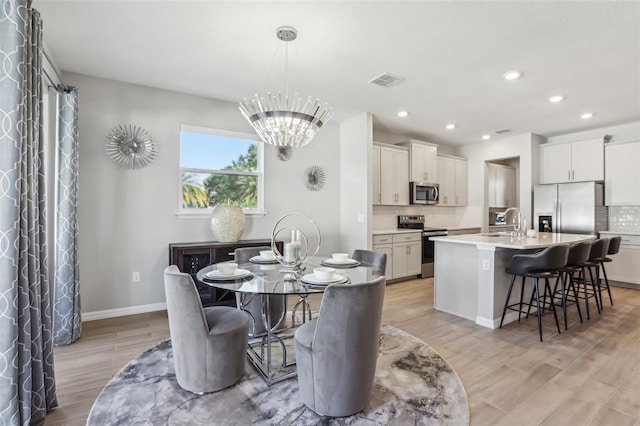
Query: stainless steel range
[428, 246]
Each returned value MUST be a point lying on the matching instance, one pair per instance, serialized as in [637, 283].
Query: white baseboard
[120, 312]
[495, 323]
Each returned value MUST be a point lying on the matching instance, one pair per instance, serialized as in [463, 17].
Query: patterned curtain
[27, 384]
[67, 324]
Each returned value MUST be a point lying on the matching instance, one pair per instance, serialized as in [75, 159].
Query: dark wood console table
[191, 257]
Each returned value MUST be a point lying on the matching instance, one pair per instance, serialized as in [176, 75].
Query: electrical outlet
[486, 265]
[361, 218]
[135, 277]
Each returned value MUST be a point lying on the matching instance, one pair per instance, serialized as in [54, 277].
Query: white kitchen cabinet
[572, 162]
[424, 161]
[384, 244]
[625, 265]
[393, 176]
[452, 174]
[407, 254]
[622, 174]
[502, 189]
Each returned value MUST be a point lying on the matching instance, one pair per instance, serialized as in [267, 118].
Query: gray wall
[128, 217]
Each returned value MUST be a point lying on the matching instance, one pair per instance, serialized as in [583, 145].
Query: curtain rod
[64, 86]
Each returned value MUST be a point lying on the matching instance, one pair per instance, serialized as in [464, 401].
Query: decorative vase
[227, 222]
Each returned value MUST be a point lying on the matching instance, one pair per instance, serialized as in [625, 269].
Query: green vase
[227, 222]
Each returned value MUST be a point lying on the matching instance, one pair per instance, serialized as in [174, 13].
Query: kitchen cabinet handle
[568, 174]
[573, 174]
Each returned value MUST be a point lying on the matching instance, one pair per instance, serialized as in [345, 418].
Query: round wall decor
[314, 178]
[130, 147]
[284, 153]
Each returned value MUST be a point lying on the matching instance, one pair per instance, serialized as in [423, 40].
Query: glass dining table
[273, 353]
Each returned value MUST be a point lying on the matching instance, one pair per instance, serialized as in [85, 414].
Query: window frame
[205, 212]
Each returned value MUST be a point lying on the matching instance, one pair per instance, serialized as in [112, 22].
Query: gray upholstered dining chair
[253, 308]
[209, 344]
[336, 353]
[370, 258]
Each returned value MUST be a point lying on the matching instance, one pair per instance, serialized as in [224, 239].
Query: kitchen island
[470, 279]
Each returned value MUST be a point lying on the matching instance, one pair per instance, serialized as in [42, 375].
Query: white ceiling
[452, 53]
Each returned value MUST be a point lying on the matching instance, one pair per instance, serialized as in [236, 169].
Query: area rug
[413, 385]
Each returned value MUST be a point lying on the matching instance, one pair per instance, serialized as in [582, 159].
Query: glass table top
[273, 279]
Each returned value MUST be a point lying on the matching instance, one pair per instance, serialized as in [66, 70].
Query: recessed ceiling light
[512, 75]
[451, 126]
[403, 113]
[486, 137]
[586, 116]
[556, 98]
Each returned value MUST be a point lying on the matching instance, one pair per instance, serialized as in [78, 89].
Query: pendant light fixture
[283, 121]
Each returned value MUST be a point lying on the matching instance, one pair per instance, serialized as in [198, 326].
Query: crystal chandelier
[283, 121]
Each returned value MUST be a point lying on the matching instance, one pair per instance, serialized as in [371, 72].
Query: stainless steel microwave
[423, 193]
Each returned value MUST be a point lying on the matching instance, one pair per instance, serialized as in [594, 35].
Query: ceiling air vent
[387, 80]
[501, 131]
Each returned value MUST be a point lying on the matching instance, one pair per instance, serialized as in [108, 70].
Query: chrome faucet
[518, 225]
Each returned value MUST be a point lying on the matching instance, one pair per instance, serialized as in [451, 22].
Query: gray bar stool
[544, 264]
[599, 249]
[578, 254]
[614, 247]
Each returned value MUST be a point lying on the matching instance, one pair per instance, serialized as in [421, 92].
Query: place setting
[340, 260]
[266, 257]
[227, 271]
[323, 276]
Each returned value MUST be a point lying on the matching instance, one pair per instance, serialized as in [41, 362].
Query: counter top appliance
[428, 246]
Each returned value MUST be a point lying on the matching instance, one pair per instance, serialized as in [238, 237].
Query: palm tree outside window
[220, 167]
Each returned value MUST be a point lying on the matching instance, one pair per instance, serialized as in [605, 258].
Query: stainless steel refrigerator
[570, 208]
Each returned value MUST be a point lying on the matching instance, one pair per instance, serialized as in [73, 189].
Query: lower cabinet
[625, 265]
[407, 254]
[191, 257]
[404, 253]
[384, 244]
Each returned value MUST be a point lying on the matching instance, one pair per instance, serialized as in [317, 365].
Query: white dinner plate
[349, 262]
[217, 275]
[311, 279]
[261, 261]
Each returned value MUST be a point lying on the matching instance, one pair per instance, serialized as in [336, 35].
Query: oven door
[429, 251]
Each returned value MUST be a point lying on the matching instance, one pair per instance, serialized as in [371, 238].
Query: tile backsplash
[624, 219]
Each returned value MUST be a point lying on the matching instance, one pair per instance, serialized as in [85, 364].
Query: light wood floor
[588, 375]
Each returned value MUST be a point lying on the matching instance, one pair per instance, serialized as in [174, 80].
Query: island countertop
[541, 240]
[470, 278]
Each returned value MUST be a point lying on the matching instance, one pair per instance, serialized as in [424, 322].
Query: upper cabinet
[424, 162]
[452, 174]
[502, 186]
[572, 162]
[622, 174]
[390, 175]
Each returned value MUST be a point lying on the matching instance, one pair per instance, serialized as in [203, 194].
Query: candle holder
[296, 251]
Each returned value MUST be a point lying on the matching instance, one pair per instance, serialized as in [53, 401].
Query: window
[220, 167]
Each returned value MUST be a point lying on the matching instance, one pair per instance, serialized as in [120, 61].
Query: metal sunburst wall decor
[131, 147]
[314, 178]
